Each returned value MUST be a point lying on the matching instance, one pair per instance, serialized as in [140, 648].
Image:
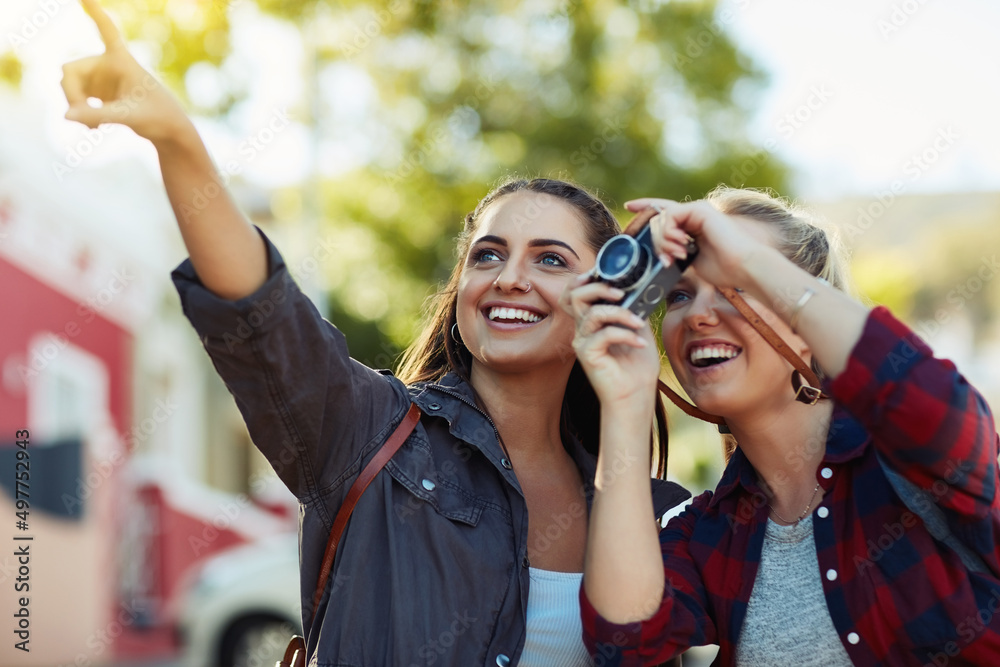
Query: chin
[504, 361]
[713, 401]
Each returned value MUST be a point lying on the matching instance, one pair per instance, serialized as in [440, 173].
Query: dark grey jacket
[433, 566]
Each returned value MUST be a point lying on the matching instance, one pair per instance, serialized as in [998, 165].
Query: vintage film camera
[630, 264]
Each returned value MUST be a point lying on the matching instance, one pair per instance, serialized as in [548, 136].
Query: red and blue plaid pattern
[897, 596]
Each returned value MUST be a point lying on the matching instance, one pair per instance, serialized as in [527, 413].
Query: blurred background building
[358, 135]
[140, 465]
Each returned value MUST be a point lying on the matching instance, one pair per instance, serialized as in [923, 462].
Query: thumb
[88, 115]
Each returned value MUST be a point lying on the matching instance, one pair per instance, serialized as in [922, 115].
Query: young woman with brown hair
[468, 548]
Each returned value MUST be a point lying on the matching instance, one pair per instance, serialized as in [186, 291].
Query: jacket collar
[846, 439]
[452, 399]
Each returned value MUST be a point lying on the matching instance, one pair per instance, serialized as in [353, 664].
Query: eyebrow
[533, 243]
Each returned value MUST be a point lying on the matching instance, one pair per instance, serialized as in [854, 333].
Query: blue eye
[676, 296]
[552, 259]
[486, 255]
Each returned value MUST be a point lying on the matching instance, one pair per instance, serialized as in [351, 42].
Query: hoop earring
[454, 330]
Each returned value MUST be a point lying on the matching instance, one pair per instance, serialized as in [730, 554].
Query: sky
[862, 96]
[867, 93]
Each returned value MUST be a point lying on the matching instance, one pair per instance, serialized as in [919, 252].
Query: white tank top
[555, 632]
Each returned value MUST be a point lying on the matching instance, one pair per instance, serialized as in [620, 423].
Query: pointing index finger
[109, 33]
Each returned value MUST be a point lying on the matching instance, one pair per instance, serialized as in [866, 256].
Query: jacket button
[831, 575]
[853, 638]
[826, 473]
[433, 406]
[503, 661]
[428, 484]
[823, 512]
[525, 562]
[506, 463]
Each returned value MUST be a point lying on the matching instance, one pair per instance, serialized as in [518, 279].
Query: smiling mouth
[704, 357]
[512, 316]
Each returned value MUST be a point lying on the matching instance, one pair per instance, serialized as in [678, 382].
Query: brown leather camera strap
[689, 408]
[640, 220]
[382, 457]
[805, 393]
[770, 335]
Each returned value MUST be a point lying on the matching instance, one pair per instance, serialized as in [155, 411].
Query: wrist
[753, 272]
[640, 400]
[177, 138]
[633, 413]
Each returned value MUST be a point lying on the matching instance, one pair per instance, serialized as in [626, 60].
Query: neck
[526, 408]
[785, 447]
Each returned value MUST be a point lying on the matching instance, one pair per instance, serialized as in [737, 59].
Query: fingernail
[615, 292]
[664, 259]
[642, 342]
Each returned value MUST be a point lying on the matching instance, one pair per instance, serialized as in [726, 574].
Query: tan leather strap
[385, 453]
[295, 653]
[690, 409]
[805, 393]
[640, 220]
[769, 334]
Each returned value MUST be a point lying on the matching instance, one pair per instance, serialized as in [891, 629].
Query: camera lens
[621, 261]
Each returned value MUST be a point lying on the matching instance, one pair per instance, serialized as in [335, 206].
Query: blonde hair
[801, 238]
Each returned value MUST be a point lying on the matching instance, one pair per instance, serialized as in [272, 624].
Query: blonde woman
[805, 553]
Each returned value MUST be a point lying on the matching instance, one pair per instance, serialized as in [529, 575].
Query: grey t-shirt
[788, 622]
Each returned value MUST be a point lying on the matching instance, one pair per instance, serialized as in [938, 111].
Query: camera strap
[807, 392]
[804, 393]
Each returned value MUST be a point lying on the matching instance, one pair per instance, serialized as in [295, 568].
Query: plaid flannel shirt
[896, 595]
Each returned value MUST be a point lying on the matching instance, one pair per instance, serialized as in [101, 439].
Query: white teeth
[707, 352]
[497, 313]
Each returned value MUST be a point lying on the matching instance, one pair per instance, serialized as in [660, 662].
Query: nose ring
[527, 285]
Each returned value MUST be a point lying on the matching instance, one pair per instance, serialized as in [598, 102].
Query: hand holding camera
[631, 264]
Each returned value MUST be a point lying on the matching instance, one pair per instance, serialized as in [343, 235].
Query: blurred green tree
[446, 98]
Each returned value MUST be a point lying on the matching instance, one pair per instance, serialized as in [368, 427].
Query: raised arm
[926, 420]
[227, 253]
[310, 408]
[828, 320]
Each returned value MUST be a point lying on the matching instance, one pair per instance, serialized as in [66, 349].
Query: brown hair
[435, 353]
[801, 239]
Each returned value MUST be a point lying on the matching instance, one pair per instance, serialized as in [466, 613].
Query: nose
[702, 311]
[512, 278]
